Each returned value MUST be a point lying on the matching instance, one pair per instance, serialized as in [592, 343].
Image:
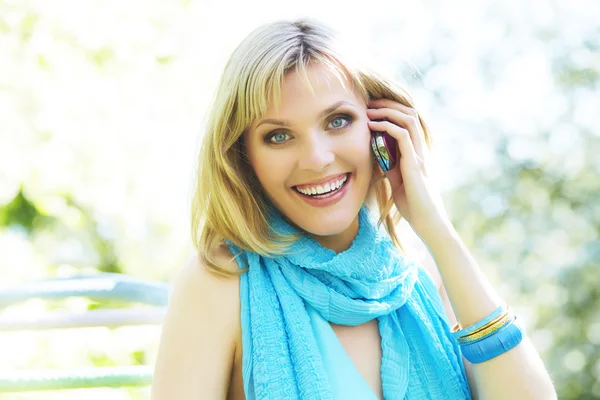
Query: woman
[301, 288]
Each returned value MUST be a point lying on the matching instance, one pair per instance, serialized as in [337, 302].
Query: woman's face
[314, 163]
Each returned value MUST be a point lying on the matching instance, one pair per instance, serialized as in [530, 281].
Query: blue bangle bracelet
[492, 346]
[472, 328]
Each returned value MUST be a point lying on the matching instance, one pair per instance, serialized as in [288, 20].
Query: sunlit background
[102, 105]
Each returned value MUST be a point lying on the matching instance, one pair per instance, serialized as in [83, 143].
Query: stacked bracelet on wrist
[488, 329]
[495, 334]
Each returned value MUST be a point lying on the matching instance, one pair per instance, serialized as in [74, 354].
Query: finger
[407, 154]
[379, 103]
[407, 121]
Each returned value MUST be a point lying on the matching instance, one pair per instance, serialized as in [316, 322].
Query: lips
[331, 179]
[323, 190]
[327, 199]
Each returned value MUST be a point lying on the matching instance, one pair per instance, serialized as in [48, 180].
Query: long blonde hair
[228, 202]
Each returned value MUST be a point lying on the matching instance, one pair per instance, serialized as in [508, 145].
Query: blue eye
[344, 117]
[335, 124]
[277, 137]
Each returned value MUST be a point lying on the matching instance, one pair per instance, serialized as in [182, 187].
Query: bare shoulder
[220, 293]
[196, 279]
[199, 334]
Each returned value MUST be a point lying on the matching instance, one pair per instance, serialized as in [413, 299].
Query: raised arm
[517, 374]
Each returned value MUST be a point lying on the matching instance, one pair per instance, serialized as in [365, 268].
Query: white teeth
[320, 189]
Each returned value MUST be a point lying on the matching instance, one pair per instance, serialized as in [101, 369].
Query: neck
[341, 241]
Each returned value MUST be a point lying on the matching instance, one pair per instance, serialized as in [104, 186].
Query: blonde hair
[228, 202]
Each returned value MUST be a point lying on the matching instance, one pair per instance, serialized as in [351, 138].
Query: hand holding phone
[385, 148]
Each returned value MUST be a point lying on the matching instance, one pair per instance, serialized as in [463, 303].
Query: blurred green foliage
[542, 235]
[20, 212]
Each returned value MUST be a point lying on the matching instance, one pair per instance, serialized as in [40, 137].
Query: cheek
[271, 168]
[359, 146]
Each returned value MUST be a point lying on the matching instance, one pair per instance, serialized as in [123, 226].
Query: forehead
[319, 87]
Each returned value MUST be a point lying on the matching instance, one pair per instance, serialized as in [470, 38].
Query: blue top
[346, 381]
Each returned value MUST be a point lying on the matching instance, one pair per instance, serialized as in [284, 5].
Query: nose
[317, 153]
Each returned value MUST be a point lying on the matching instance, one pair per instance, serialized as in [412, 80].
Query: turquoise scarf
[281, 360]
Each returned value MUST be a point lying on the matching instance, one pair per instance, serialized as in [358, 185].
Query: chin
[324, 222]
[329, 228]
[334, 219]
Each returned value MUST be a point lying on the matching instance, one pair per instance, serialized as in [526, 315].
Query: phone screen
[384, 147]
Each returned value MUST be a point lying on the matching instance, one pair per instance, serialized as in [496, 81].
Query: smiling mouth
[319, 191]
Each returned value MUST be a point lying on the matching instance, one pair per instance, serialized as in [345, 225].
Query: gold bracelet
[500, 323]
[504, 312]
[458, 331]
[492, 322]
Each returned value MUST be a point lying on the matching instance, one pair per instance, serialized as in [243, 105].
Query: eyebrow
[328, 110]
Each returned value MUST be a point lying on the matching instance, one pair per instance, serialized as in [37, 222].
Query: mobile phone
[385, 149]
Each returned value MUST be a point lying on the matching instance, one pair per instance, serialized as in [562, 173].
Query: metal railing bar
[59, 320]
